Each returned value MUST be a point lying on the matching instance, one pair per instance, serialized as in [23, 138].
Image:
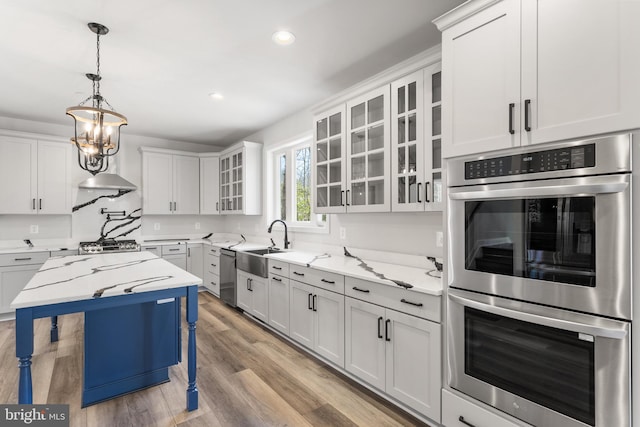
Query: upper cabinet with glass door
[241, 180]
[328, 158]
[416, 174]
[368, 152]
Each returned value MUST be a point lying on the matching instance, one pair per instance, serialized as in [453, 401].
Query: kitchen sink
[253, 262]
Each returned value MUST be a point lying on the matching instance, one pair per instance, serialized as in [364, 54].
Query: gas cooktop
[109, 245]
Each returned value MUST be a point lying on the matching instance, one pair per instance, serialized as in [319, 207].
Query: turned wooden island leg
[192, 317]
[24, 351]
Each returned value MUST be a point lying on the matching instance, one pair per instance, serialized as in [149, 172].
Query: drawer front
[212, 263]
[212, 282]
[322, 279]
[23, 258]
[459, 412]
[278, 267]
[154, 249]
[174, 249]
[212, 250]
[397, 298]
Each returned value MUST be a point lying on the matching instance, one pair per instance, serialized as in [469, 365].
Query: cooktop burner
[109, 245]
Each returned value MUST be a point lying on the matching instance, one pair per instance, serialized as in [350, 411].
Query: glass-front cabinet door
[368, 151]
[236, 181]
[329, 160]
[416, 160]
[225, 184]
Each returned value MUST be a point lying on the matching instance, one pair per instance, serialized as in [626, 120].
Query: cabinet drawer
[322, 279]
[400, 299]
[212, 282]
[278, 267]
[23, 258]
[212, 263]
[174, 249]
[455, 407]
[212, 250]
[154, 249]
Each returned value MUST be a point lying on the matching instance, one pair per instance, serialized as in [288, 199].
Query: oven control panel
[583, 156]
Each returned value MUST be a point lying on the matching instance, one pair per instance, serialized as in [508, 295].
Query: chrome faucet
[286, 236]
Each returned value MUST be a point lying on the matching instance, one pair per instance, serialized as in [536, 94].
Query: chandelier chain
[98, 60]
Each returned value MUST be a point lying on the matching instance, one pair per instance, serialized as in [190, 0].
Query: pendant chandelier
[97, 130]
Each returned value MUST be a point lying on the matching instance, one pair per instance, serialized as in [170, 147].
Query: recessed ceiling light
[283, 37]
[216, 95]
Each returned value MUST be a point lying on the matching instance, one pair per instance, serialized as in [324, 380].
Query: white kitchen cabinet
[195, 259]
[212, 270]
[317, 320]
[416, 161]
[279, 296]
[395, 352]
[36, 176]
[209, 184]
[253, 295]
[461, 412]
[170, 182]
[522, 72]
[154, 249]
[329, 158]
[241, 182]
[352, 155]
[15, 272]
[175, 254]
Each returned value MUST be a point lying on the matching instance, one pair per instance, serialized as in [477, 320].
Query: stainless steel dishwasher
[228, 276]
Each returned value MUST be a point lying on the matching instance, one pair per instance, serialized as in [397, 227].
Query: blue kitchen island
[132, 333]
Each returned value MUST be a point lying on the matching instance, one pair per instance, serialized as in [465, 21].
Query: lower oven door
[545, 366]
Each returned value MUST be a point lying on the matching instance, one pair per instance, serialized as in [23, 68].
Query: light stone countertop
[420, 278]
[82, 277]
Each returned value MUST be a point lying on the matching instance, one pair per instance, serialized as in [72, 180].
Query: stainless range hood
[107, 181]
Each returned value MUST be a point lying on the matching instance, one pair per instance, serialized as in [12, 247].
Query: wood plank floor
[247, 376]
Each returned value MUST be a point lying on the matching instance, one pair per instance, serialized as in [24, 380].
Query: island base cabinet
[459, 412]
[395, 352]
[317, 320]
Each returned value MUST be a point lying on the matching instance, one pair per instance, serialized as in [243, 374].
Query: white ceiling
[162, 58]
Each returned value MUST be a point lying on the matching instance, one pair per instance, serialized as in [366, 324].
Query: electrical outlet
[33, 229]
[439, 239]
[156, 226]
[197, 226]
[343, 233]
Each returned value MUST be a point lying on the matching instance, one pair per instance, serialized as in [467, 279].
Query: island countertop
[81, 277]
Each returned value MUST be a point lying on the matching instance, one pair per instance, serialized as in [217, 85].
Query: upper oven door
[560, 242]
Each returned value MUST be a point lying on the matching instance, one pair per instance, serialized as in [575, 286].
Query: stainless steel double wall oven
[539, 300]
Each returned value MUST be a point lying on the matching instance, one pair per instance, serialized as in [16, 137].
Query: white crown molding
[408, 66]
[31, 135]
[462, 12]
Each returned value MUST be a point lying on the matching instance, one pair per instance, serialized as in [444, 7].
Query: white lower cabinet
[211, 280]
[279, 303]
[253, 295]
[195, 259]
[317, 320]
[395, 352]
[15, 272]
[459, 412]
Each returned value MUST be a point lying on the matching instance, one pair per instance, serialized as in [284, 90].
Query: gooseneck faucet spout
[286, 236]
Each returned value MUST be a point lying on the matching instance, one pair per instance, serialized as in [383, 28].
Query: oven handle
[597, 331]
[541, 190]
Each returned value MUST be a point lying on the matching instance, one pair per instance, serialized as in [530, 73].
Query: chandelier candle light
[97, 130]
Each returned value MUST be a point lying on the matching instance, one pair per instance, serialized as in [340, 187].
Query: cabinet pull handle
[386, 330]
[175, 206]
[276, 268]
[213, 265]
[347, 198]
[331, 282]
[213, 283]
[417, 304]
[217, 206]
[309, 302]
[249, 285]
[151, 248]
[314, 302]
[33, 204]
[512, 106]
[276, 279]
[298, 274]
[366, 291]
[173, 250]
[342, 198]
[426, 191]
[380, 327]
[419, 185]
[170, 206]
[527, 107]
[465, 422]
[189, 252]
[22, 259]
[40, 204]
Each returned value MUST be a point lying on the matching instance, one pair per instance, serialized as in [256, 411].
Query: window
[294, 202]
